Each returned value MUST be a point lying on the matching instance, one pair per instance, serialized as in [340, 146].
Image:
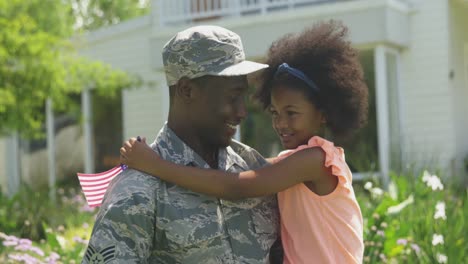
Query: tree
[93, 14]
[107, 112]
[37, 61]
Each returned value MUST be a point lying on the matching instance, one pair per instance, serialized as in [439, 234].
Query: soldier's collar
[172, 148]
[231, 157]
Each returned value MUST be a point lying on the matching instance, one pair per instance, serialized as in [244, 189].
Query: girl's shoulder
[327, 146]
[333, 158]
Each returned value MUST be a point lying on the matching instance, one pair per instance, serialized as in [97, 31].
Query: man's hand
[137, 155]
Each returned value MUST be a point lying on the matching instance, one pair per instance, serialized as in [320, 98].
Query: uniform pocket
[187, 227]
[186, 233]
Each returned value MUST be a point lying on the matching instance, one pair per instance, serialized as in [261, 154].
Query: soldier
[147, 220]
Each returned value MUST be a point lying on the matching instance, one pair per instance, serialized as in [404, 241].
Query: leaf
[397, 208]
[51, 237]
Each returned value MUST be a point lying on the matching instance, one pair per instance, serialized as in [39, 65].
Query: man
[146, 220]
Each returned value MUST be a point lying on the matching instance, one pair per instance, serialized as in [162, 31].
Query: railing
[186, 11]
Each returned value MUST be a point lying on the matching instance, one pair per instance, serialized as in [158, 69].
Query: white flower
[437, 239]
[441, 258]
[435, 183]
[393, 190]
[376, 192]
[432, 181]
[397, 208]
[368, 185]
[440, 211]
[426, 176]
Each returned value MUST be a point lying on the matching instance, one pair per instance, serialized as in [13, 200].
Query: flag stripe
[94, 189]
[95, 199]
[100, 176]
[97, 182]
[87, 177]
[94, 186]
[93, 175]
[92, 194]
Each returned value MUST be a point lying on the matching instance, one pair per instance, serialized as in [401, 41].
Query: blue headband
[284, 67]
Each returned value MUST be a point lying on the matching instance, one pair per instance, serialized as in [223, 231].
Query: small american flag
[95, 185]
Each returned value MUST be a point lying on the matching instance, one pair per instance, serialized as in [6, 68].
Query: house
[415, 52]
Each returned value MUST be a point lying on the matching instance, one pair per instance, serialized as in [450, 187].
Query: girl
[314, 87]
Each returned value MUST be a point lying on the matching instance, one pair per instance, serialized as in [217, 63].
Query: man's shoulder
[249, 154]
[124, 226]
[131, 178]
[132, 185]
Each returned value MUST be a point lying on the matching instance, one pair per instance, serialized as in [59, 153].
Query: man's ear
[185, 90]
[323, 119]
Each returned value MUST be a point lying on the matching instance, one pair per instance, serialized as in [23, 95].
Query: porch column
[51, 147]
[12, 164]
[87, 130]
[382, 112]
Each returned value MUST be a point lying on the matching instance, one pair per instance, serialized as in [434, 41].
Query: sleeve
[124, 227]
[334, 159]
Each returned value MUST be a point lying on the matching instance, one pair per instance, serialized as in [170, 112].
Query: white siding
[427, 97]
[459, 64]
[127, 46]
[369, 22]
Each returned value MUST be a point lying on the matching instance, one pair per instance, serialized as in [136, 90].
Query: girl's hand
[137, 155]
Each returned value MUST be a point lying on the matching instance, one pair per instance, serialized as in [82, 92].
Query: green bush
[418, 220]
[409, 223]
[35, 230]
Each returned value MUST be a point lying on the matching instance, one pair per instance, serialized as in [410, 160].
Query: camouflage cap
[206, 50]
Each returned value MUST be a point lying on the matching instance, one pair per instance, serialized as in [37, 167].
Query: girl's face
[295, 119]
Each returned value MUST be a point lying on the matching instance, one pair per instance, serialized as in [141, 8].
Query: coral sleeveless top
[322, 229]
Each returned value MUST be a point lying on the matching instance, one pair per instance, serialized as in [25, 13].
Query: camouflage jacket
[146, 220]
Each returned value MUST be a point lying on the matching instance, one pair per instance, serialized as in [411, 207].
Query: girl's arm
[303, 166]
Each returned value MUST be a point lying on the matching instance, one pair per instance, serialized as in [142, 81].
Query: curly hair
[325, 56]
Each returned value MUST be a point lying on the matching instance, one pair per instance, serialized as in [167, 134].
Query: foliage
[257, 131]
[418, 220]
[93, 14]
[39, 62]
[36, 229]
[409, 224]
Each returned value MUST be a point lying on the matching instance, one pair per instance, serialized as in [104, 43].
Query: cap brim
[242, 68]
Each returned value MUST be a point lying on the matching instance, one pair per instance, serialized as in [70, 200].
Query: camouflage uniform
[146, 220]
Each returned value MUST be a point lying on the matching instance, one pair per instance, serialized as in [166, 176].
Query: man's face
[220, 108]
